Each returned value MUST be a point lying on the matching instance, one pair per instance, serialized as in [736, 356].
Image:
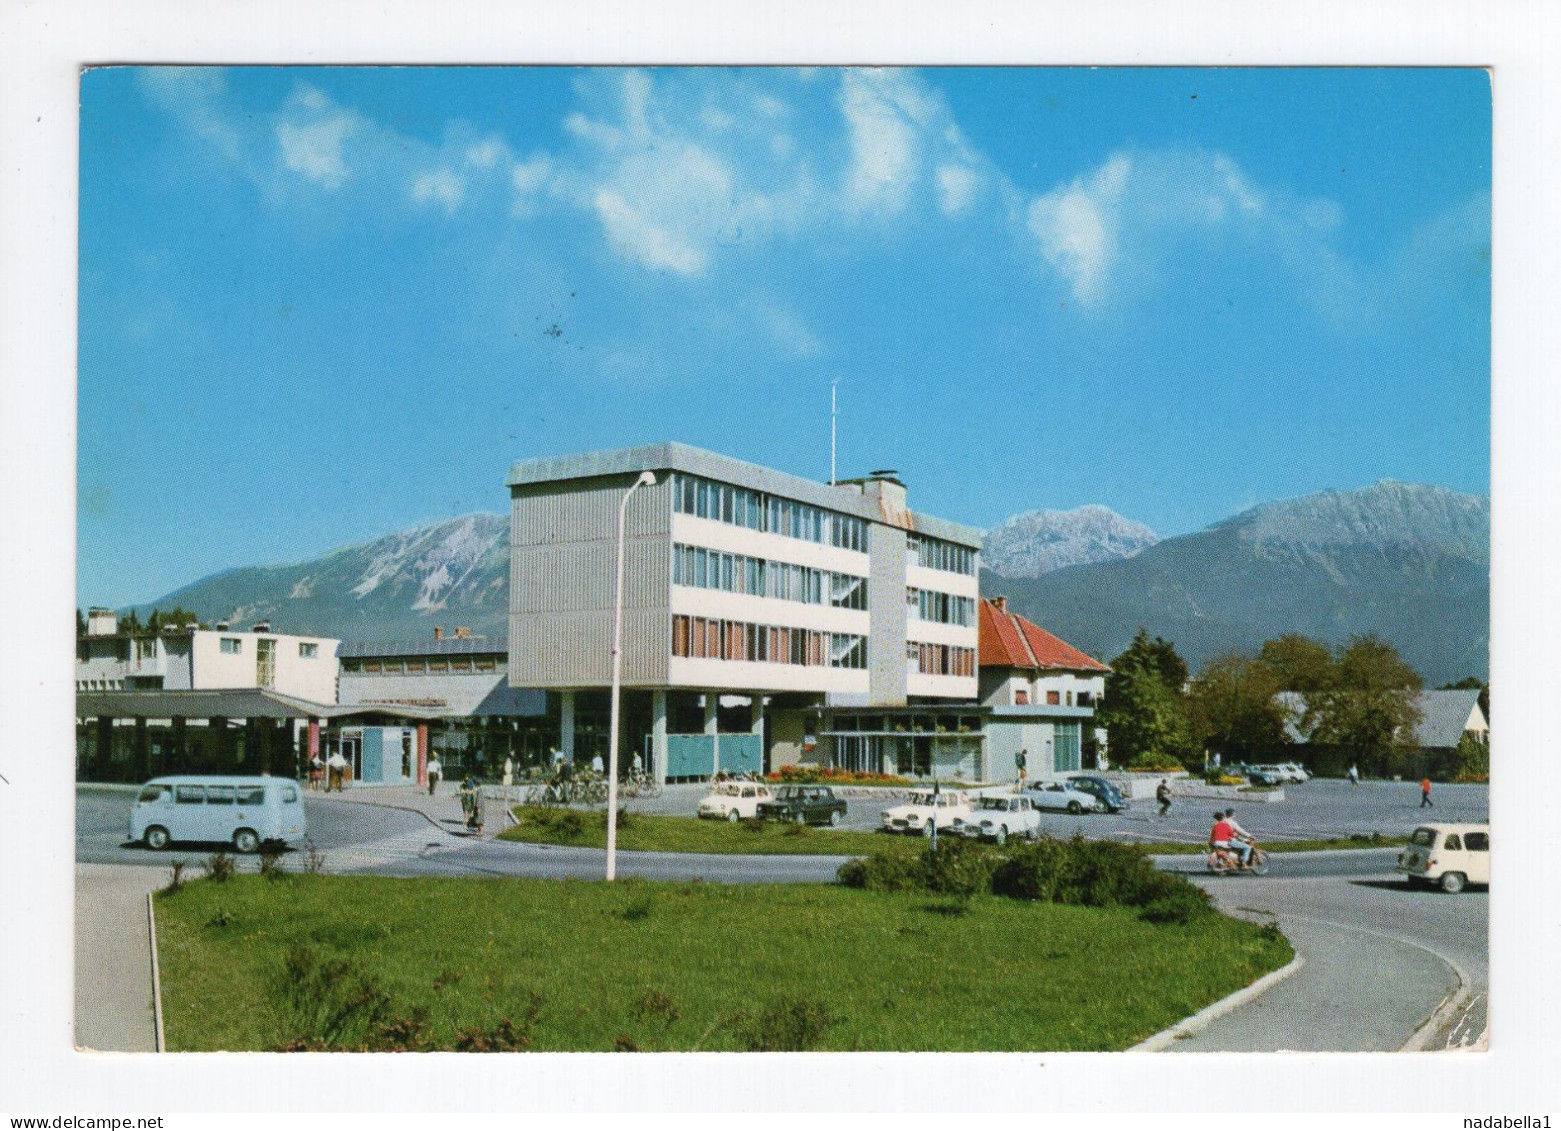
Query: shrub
[175, 878]
[958, 868]
[222, 918]
[881, 872]
[830, 775]
[314, 859]
[219, 867]
[1172, 900]
[1087, 873]
[785, 1025]
[271, 862]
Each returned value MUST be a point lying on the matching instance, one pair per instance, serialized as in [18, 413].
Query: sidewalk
[114, 958]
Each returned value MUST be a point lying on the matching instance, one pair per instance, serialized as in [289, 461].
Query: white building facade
[746, 590]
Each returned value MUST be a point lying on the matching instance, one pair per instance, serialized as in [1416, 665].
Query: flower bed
[829, 775]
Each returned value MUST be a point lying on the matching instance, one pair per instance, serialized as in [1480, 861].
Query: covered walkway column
[713, 728]
[566, 724]
[756, 726]
[658, 734]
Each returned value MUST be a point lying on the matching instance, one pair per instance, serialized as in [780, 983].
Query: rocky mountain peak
[1037, 542]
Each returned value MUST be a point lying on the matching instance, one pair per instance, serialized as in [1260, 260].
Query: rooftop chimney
[102, 622]
[438, 633]
[260, 626]
[464, 632]
[222, 626]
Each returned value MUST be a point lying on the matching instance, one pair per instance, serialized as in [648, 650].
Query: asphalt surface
[1381, 957]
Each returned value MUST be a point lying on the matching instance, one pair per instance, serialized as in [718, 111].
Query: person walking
[435, 772]
[596, 764]
[1162, 794]
[1425, 794]
[336, 767]
[468, 796]
[316, 772]
[1354, 776]
[509, 772]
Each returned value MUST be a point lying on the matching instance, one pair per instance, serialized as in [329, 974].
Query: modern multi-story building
[751, 599]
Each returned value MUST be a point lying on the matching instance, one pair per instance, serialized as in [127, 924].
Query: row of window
[756, 510]
[434, 664]
[941, 659]
[736, 573]
[934, 553]
[706, 638]
[943, 608]
[234, 646]
[1055, 698]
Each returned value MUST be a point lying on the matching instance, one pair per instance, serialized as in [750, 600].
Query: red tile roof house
[1042, 693]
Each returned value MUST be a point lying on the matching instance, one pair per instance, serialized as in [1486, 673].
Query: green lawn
[642, 833]
[645, 833]
[683, 966]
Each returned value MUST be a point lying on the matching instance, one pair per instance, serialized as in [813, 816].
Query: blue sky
[319, 305]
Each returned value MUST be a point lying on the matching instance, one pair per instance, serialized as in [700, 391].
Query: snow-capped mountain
[1037, 542]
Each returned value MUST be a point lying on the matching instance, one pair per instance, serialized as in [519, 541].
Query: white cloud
[956, 188]
[884, 142]
[193, 95]
[788, 330]
[636, 236]
[487, 153]
[439, 186]
[313, 147]
[1076, 226]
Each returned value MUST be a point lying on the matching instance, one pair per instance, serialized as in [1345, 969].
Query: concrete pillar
[104, 754]
[421, 742]
[658, 734]
[143, 752]
[713, 728]
[566, 724]
[756, 726]
[314, 740]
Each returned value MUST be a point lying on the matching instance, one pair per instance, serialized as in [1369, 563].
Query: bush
[271, 862]
[786, 1025]
[1086, 873]
[882, 872]
[1173, 900]
[829, 775]
[958, 868]
[219, 867]
[175, 878]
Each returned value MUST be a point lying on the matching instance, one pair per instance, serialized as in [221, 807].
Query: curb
[157, 980]
[1207, 1016]
[1452, 1004]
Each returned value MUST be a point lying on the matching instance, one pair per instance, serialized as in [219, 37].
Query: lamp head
[646, 479]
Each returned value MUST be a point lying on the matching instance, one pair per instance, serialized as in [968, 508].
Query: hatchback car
[1108, 798]
[1450, 856]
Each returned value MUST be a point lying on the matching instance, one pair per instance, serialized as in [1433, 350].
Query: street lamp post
[646, 479]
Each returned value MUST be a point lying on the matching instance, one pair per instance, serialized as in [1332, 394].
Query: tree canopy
[1145, 712]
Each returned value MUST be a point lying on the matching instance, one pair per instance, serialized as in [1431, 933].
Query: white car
[1278, 774]
[916, 815]
[1000, 817]
[1450, 856]
[1298, 773]
[733, 800]
[1059, 795]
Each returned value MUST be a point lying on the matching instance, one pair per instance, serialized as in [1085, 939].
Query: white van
[243, 812]
[1450, 855]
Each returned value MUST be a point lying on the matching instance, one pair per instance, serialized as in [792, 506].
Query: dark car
[1108, 798]
[803, 804]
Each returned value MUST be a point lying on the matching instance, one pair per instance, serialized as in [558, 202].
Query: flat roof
[235, 703]
[448, 646]
[672, 456]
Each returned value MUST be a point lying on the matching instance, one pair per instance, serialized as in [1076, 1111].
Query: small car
[916, 815]
[1060, 795]
[1450, 856]
[998, 817]
[733, 800]
[246, 812]
[803, 804]
[1265, 775]
[1108, 798]
[1298, 773]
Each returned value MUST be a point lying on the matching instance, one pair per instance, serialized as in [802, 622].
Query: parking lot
[1314, 811]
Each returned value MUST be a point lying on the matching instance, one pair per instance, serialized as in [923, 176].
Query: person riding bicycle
[1243, 841]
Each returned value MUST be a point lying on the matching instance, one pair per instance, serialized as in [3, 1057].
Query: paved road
[1380, 957]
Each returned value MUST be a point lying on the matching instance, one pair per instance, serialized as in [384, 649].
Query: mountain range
[1407, 562]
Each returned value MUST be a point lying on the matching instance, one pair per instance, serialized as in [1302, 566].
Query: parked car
[733, 800]
[999, 817]
[1060, 795]
[1298, 773]
[1108, 798]
[1450, 856]
[916, 815]
[803, 804]
[245, 812]
[1265, 775]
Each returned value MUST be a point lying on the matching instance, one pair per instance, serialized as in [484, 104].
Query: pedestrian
[316, 771]
[468, 796]
[435, 772]
[1021, 761]
[479, 809]
[336, 769]
[1425, 794]
[636, 767]
[1162, 794]
[596, 764]
[509, 772]
[1354, 776]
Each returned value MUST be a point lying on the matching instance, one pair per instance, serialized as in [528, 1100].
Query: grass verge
[359, 961]
[639, 832]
